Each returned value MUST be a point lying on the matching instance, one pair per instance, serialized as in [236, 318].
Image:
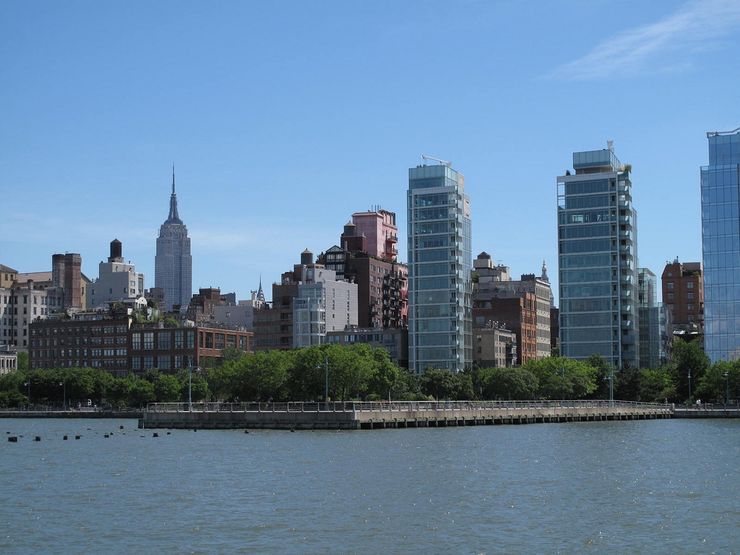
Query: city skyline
[269, 146]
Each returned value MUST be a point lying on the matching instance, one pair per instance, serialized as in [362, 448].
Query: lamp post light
[63, 383]
[28, 386]
[610, 379]
[689, 385]
[727, 387]
[326, 378]
[190, 386]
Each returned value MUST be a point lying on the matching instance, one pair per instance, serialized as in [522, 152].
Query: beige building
[494, 347]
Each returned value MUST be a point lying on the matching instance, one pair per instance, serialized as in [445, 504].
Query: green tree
[231, 353]
[604, 371]
[687, 359]
[439, 384]
[627, 384]
[167, 388]
[140, 392]
[508, 383]
[714, 386]
[197, 386]
[562, 378]
[656, 385]
[23, 362]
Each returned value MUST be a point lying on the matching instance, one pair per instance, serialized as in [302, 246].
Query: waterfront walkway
[353, 415]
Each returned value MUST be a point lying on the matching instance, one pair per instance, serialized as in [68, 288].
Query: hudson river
[662, 486]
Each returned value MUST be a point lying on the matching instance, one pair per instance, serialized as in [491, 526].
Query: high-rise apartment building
[597, 255]
[173, 264]
[720, 217]
[440, 258]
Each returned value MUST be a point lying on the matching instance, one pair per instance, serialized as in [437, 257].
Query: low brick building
[117, 345]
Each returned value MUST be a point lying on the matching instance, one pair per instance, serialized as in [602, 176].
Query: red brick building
[683, 294]
[518, 314]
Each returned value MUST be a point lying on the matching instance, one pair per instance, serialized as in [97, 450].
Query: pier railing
[398, 406]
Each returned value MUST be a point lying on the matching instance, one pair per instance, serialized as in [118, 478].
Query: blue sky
[283, 118]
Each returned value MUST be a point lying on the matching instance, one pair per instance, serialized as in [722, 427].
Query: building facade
[683, 296]
[117, 280]
[97, 340]
[23, 303]
[87, 340]
[439, 259]
[173, 264]
[380, 231]
[494, 282]
[382, 282]
[322, 305]
[393, 340]
[597, 255]
[494, 347]
[652, 321]
[720, 216]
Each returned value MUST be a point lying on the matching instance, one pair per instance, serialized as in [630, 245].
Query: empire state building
[173, 265]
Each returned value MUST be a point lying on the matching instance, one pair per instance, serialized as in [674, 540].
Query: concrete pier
[401, 414]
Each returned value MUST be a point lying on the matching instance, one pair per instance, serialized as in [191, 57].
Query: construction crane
[443, 162]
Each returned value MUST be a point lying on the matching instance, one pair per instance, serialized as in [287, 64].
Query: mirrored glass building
[720, 217]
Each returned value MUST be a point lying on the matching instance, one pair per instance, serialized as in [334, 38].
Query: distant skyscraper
[597, 227]
[720, 217]
[440, 260]
[173, 265]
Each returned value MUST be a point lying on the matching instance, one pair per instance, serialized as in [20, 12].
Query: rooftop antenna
[425, 157]
[610, 145]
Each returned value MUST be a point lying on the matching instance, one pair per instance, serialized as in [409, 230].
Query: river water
[662, 486]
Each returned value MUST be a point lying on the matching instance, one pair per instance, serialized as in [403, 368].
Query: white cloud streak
[665, 46]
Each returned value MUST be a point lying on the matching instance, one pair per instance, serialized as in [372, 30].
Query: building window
[148, 362]
[178, 339]
[136, 341]
[191, 339]
[690, 285]
[163, 340]
[149, 340]
[669, 286]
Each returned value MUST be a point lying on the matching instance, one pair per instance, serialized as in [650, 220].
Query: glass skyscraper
[720, 218]
[440, 264]
[597, 255]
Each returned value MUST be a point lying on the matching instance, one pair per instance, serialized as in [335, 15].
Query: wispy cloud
[667, 45]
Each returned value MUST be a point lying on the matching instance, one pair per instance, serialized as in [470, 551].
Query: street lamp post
[28, 388]
[63, 383]
[727, 387]
[326, 378]
[689, 385]
[610, 379]
[190, 386]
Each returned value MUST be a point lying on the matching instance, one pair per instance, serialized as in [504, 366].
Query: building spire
[260, 293]
[544, 277]
[173, 217]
